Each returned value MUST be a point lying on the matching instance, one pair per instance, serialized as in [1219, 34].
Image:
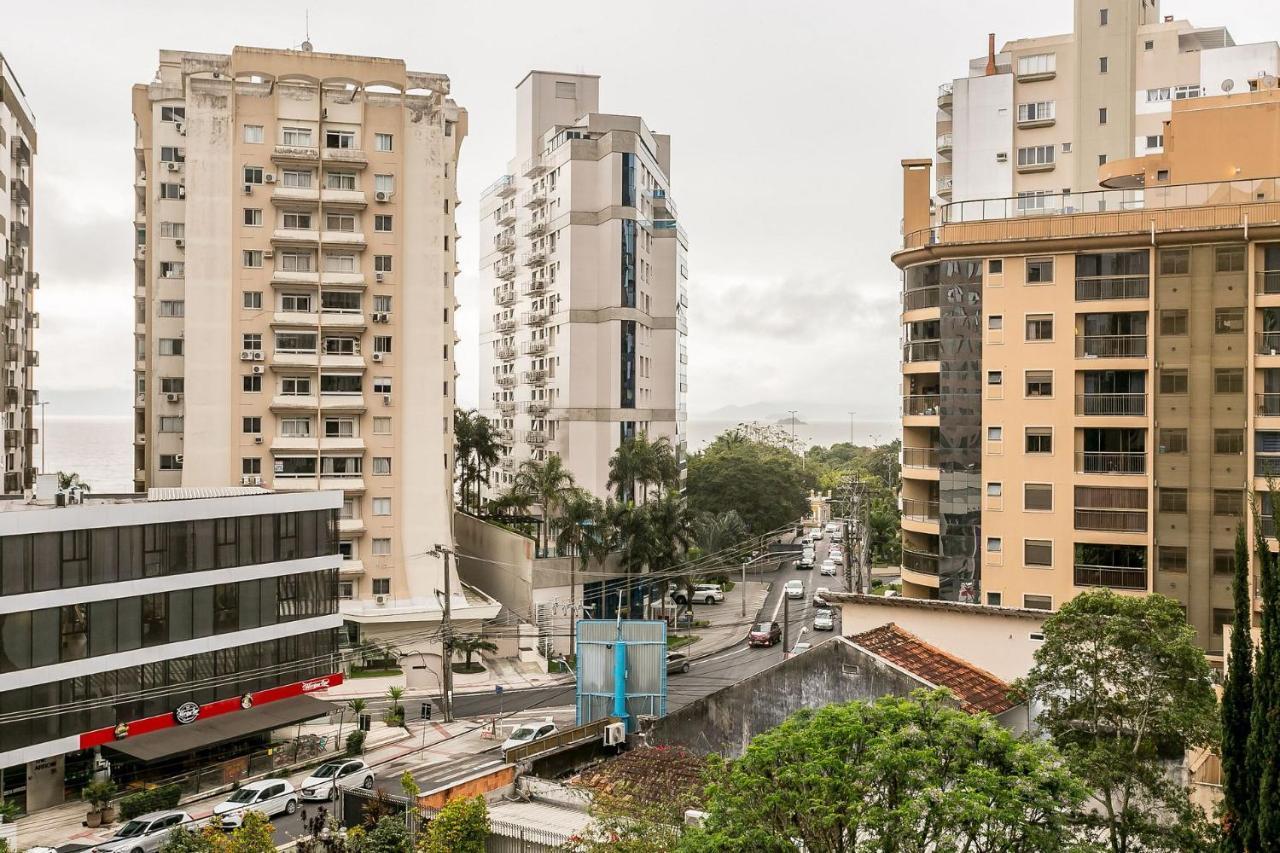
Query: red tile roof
[976, 689]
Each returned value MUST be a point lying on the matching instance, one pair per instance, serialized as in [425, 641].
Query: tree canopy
[460, 827]
[766, 485]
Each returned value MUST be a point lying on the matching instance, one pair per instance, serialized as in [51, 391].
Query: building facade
[584, 286]
[1090, 392]
[117, 612]
[20, 281]
[295, 265]
[1036, 119]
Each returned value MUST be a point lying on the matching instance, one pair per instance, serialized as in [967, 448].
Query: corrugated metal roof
[197, 492]
[541, 815]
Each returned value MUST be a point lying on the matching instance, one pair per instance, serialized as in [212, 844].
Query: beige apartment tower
[584, 283]
[1091, 391]
[20, 281]
[295, 264]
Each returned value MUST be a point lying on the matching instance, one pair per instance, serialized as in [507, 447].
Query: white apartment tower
[1035, 120]
[295, 264]
[583, 287]
[17, 167]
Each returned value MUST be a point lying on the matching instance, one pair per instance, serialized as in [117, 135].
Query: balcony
[1268, 282]
[503, 436]
[295, 154]
[506, 380]
[1268, 343]
[534, 408]
[920, 404]
[505, 297]
[917, 351]
[534, 166]
[1111, 520]
[1113, 405]
[663, 206]
[1111, 346]
[506, 353]
[535, 437]
[502, 188]
[534, 347]
[294, 195]
[534, 318]
[924, 297]
[506, 325]
[944, 143]
[919, 457]
[507, 407]
[920, 561]
[346, 157]
[19, 192]
[348, 198]
[504, 243]
[507, 463]
[1112, 287]
[536, 287]
[505, 217]
[535, 258]
[1114, 577]
[918, 510]
[536, 378]
[536, 228]
[533, 198]
[945, 95]
[21, 152]
[944, 184]
[505, 270]
[1111, 462]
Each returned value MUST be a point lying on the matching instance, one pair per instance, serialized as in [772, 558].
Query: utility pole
[786, 620]
[744, 584]
[851, 414]
[446, 640]
[793, 429]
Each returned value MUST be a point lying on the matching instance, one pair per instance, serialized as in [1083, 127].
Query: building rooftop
[641, 776]
[935, 604]
[976, 689]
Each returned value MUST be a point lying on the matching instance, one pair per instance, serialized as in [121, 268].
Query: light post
[793, 429]
[42, 434]
[851, 414]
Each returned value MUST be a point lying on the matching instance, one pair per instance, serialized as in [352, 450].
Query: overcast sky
[788, 122]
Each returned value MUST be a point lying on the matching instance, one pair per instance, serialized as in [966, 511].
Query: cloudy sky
[788, 122]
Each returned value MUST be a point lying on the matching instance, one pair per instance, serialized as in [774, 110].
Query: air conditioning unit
[177, 458]
[182, 191]
[180, 243]
[386, 399]
[1002, 157]
[380, 600]
[251, 480]
[377, 356]
[246, 355]
[382, 196]
[268, 255]
[248, 188]
[324, 114]
[259, 355]
[181, 128]
[381, 317]
[258, 370]
[173, 398]
[257, 439]
[269, 178]
[378, 277]
[172, 166]
[614, 734]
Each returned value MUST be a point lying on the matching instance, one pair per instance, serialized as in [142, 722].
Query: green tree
[255, 834]
[388, 835]
[476, 451]
[69, 479]
[1263, 761]
[766, 485]
[586, 533]
[197, 839]
[395, 711]
[1124, 690]
[638, 461]
[462, 826]
[548, 485]
[469, 644]
[898, 774]
[1239, 792]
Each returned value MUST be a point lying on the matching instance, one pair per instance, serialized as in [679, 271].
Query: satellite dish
[1228, 85]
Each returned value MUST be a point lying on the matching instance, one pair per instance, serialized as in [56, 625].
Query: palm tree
[639, 461]
[70, 479]
[463, 443]
[476, 451]
[549, 485]
[625, 468]
[357, 707]
[586, 533]
[487, 450]
[469, 644]
[395, 713]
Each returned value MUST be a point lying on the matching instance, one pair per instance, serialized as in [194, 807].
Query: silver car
[144, 833]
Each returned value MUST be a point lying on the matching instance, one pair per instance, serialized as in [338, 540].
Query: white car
[819, 595]
[824, 620]
[835, 553]
[828, 567]
[332, 776]
[144, 834]
[793, 589]
[528, 733]
[708, 593]
[267, 796]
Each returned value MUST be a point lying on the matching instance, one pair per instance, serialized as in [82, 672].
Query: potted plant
[98, 795]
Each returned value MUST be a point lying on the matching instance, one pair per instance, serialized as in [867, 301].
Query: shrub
[152, 800]
[355, 742]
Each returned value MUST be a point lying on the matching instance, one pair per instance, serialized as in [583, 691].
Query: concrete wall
[496, 560]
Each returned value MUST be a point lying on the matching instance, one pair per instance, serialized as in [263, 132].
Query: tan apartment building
[1035, 119]
[295, 265]
[20, 281]
[1092, 392]
[584, 285]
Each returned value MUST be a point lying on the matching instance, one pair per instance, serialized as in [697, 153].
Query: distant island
[786, 420]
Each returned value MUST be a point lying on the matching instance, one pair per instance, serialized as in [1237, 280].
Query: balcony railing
[920, 404]
[506, 380]
[533, 198]
[536, 287]
[920, 561]
[915, 351]
[506, 353]
[1117, 520]
[1269, 343]
[1111, 462]
[506, 325]
[1114, 577]
[505, 297]
[1266, 466]
[1268, 281]
[918, 510]
[533, 347]
[502, 185]
[919, 457]
[504, 243]
[505, 271]
[1112, 287]
[1123, 405]
[534, 166]
[944, 142]
[1111, 346]
[925, 297]
[534, 318]
[945, 92]
[534, 377]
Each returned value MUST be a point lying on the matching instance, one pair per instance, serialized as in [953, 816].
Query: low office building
[130, 624]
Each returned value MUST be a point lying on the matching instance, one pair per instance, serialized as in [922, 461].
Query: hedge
[152, 800]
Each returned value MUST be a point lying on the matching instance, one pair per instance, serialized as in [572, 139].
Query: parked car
[824, 620]
[677, 662]
[835, 553]
[819, 595]
[708, 593]
[833, 526]
[765, 634]
[144, 834]
[528, 733]
[332, 776]
[793, 589]
[806, 559]
[828, 567]
[268, 796]
[837, 538]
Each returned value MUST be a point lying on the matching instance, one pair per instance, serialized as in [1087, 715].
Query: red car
[764, 634]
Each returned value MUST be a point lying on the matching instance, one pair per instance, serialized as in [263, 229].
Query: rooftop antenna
[306, 45]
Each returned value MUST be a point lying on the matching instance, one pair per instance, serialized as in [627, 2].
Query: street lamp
[793, 429]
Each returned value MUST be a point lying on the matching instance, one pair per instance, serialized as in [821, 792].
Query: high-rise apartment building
[295, 300]
[19, 279]
[1091, 391]
[584, 285]
[1035, 120]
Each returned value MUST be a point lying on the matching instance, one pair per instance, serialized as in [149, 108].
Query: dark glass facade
[628, 393]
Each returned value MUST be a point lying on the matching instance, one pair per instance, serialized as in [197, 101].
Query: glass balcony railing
[919, 457]
[1111, 346]
[1115, 577]
[1268, 343]
[1268, 405]
[1112, 287]
[916, 351]
[1111, 462]
[920, 404]
[919, 510]
[925, 297]
[920, 561]
[1121, 405]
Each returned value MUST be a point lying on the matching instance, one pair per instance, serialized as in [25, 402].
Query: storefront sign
[187, 712]
[315, 684]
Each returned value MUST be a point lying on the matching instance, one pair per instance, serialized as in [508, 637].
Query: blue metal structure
[622, 669]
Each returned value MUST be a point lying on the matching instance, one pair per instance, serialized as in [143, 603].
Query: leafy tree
[1239, 791]
[1263, 752]
[70, 479]
[548, 485]
[410, 786]
[395, 711]
[462, 826]
[586, 533]
[469, 644]
[476, 451]
[639, 461]
[255, 834]
[1124, 690]
[898, 774]
[388, 835]
[197, 839]
[766, 485]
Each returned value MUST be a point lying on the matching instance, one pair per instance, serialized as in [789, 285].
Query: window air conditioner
[259, 355]
[181, 128]
[382, 196]
[257, 439]
[182, 191]
[386, 399]
[173, 167]
[269, 178]
[614, 734]
[380, 317]
[258, 370]
[268, 255]
[248, 188]
[177, 458]
[377, 356]
[378, 277]
[173, 398]
[246, 355]
[380, 599]
[180, 243]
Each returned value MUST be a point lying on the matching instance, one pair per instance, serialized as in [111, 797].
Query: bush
[355, 742]
[152, 800]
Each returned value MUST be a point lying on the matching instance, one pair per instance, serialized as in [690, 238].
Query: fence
[300, 749]
[349, 809]
[514, 838]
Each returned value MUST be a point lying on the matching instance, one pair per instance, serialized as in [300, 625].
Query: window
[1175, 262]
[1228, 321]
[171, 423]
[1148, 45]
[1037, 552]
[382, 384]
[382, 222]
[1229, 259]
[296, 136]
[1224, 561]
[1228, 380]
[339, 263]
[1039, 327]
[381, 547]
[253, 133]
[253, 216]
[993, 599]
[1173, 322]
[295, 386]
[1162, 175]
[381, 426]
[382, 506]
[1173, 558]
[1036, 111]
[382, 263]
[298, 221]
[382, 344]
[297, 178]
[172, 308]
[1039, 383]
[384, 184]
[339, 222]
[296, 261]
[171, 154]
[170, 462]
[172, 384]
[995, 377]
[295, 427]
[170, 346]
[1173, 380]
[251, 465]
[1155, 96]
[1103, 65]
[1036, 155]
[1102, 159]
[251, 341]
[1228, 502]
[253, 174]
[1102, 119]
[1173, 440]
[382, 586]
[382, 304]
[340, 383]
[1228, 442]
[1037, 602]
[251, 383]
[381, 466]
[1037, 497]
[1033, 199]
[172, 191]
[1039, 270]
[1102, 17]
[995, 433]
[995, 322]
[1039, 439]
[299, 303]
[994, 544]
[340, 302]
[382, 142]
[1040, 63]
[251, 258]
[1155, 141]
[340, 180]
[1182, 93]
[995, 490]
[1066, 148]
[995, 266]
[339, 139]
[1173, 500]
[251, 425]
[173, 269]
[173, 114]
